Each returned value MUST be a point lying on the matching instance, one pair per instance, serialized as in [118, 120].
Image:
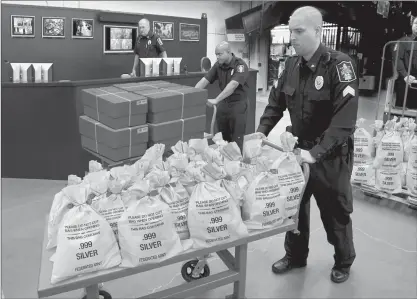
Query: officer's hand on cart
[307, 157]
[212, 102]
[410, 79]
[133, 73]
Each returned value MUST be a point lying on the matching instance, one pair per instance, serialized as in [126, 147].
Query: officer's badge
[159, 41]
[345, 71]
[240, 68]
[232, 72]
[318, 83]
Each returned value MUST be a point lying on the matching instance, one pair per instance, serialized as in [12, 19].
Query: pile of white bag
[386, 161]
[199, 197]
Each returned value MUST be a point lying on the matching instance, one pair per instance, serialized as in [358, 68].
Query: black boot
[285, 264]
[339, 276]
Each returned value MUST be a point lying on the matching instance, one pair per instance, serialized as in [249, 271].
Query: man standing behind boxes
[232, 73]
[148, 45]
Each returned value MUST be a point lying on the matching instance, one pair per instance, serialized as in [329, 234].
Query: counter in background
[40, 136]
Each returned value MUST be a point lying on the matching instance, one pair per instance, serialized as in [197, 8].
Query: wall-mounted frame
[53, 27]
[189, 32]
[165, 30]
[82, 28]
[119, 39]
[22, 26]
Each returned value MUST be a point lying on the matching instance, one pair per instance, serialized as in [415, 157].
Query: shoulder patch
[345, 71]
[159, 41]
[240, 68]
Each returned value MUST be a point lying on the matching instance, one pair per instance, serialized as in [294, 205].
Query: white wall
[217, 12]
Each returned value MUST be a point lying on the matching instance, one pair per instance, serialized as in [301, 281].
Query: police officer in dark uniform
[320, 89]
[404, 49]
[232, 103]
[148, 45]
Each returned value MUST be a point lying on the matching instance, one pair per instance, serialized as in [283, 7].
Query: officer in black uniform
[148, 45]
[404, 54]
[320, 89]
[232, 103]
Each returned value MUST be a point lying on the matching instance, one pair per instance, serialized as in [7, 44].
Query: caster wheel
[188, 268]
[101, 295]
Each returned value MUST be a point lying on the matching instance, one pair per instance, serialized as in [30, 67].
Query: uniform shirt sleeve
[344, 93]
[240, 73]
[159, 45]
[136, 51]
[211, 76]
[274, 111]
[401, 67]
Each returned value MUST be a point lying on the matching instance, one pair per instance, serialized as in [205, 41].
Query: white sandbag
[404, 174]
[262, 206]
[147, 233]
[213, 216]
[94, 166]
[180, 147]
[410, 150]
[362, 173]
[177, 163]
[390, 151]
[152, 156]
[290, 178]
[111, 206]
[213, 155]
[98, 181]
[86, 242]
[196, 148]
[378, 126]
[177, 198]
[411, 180]
[192, 175]
[58, 209]
[137, 191]
[252, 148]
[362, 144]
[74, 180]
[388, 179]
[231, 152]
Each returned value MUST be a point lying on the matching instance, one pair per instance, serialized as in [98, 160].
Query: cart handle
[273, 145]
[213, 120]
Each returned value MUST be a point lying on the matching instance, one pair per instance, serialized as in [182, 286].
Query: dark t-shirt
[149, 46]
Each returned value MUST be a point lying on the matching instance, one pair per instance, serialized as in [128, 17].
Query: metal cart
[390, 110]
[235, 274]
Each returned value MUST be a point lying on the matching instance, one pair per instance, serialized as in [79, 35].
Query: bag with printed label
[86, 242]
[412, 152]
[411, 180]
[411, 139]
[263, 208]
[147, 233]
[196, 148]
[214, 216]
[388, 179]
[177, 163]
[290, 177]
[94, 166]
[153, 156]
[135, 192]
[390, 151]
[212, 155]
[177, 198]
[231, 152]
[98, 182]
[58, 209]
[74, 180]
[192, 175]
[362, 174]
[378, 126]
[362, 144]
[111, 206]
[252, 148]
[404, 174]
[125, 175]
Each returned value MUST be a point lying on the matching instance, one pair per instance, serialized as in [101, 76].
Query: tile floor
[385, 240]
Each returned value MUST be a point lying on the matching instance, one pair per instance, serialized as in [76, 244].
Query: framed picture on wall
[82, 28]
[22, 26]
[189, 32]
[53, 27]
[119, 39]
[165, 30]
